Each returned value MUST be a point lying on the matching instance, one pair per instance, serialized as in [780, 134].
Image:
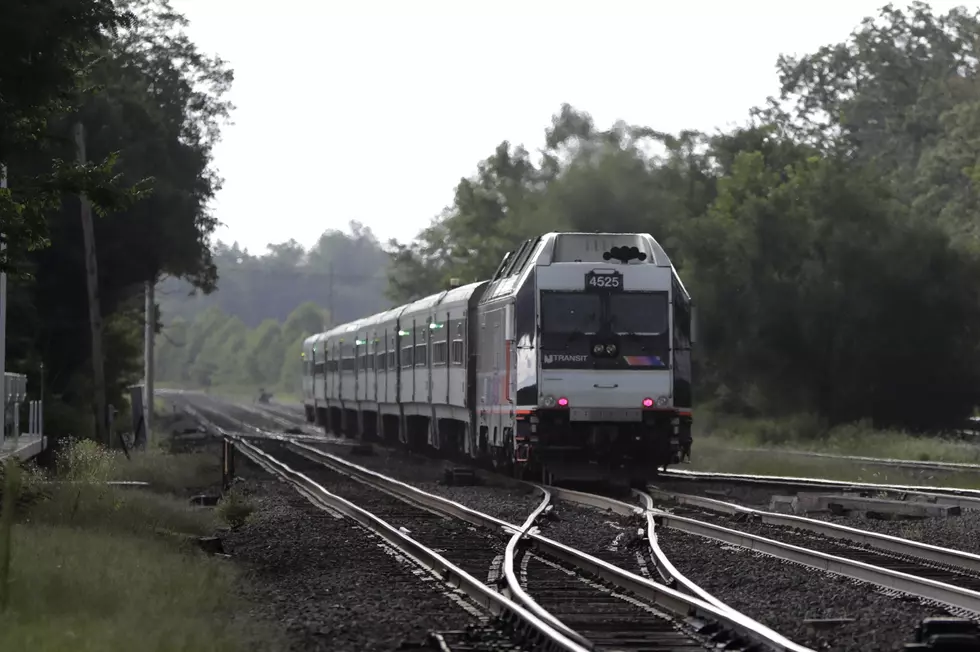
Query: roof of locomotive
[574, 246]
[462, 293]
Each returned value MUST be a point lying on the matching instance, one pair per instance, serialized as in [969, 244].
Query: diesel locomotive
[572, 361]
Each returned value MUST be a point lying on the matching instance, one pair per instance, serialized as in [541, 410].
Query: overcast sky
[373, 110]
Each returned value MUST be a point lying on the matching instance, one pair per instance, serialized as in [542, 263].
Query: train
[573, 361]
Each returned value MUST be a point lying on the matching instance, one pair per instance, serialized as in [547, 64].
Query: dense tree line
[152, 105]
[830, 242]
[219, 350]
[344, 272]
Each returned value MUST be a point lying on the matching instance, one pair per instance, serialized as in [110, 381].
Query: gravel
[475, 550]
[783, 594]
[957, 532]
[332, 584]
[608, 536]
[511, 503]
[508, 503]
[777, 593]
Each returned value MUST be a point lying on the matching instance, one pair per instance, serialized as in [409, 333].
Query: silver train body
[574, 360]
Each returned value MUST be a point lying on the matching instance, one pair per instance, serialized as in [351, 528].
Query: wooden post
[148, 350]
[227, 463]
[3, 332]
[94, 308]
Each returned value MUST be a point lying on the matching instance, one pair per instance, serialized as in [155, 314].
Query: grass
[719, 438]
[102, 568]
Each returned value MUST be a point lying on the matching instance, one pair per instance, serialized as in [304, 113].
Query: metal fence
[15, 397]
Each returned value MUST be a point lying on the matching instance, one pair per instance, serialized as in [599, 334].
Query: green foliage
[152, 109]
[345, 272]
[47, 49]
[235, 509]
[85, 461]
[90, 561]
[830, 243]
[218, 350]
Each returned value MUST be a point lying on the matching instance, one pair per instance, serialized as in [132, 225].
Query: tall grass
[96, 567]
[807, 433]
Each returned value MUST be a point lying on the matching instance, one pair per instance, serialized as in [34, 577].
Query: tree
[154, 109]
[899, 94]
[47, 47]
[343, 270]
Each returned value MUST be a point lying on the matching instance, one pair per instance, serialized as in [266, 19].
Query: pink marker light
[648, 402]
[563, 401]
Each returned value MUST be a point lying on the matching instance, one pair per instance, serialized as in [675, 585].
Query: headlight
[548, 401]
[662, 401]
[597, 349]
[611, 349]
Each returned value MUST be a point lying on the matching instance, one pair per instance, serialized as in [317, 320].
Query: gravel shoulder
[783, 595]
[956, 532]
[506, 502]
[332, 584]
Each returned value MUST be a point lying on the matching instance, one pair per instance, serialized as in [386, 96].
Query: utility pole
[330, 293]
[148, 352]
[3, 330]
[94, 308]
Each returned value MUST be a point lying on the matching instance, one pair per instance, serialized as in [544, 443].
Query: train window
[502, 265]
[638, 312]
[420, 359]
[514, 261]
[521, 261]
[406, 357]
[380, 361]
[391, 361]
[570, 312]
[457, 352]
[439, 353]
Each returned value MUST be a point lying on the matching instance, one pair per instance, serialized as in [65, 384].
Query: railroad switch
[946, 635]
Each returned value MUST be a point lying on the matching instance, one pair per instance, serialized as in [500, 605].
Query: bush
[235, 509]
[85, 461]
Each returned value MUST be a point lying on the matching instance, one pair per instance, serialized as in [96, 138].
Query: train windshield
[638, 312]
[570, 312]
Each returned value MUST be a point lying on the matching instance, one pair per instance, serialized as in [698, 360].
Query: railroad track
[558, 592]
[565, 599]
[963, 498]
[947, 577]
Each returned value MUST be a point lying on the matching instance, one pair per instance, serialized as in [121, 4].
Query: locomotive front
[613, 359]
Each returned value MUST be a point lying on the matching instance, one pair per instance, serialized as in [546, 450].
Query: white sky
[373, 110]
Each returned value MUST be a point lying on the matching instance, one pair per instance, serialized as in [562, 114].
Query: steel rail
[919, 586]
[681, 605]
[514, 584]
[965, 498]
[672, 600]
[671, 576]
[897, 545]
[884, 577]
[545, 637]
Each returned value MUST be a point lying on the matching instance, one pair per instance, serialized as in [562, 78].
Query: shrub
[235, 509]
[85, 461]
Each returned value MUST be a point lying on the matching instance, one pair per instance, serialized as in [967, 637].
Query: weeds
[89, 569]
[235, 509]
